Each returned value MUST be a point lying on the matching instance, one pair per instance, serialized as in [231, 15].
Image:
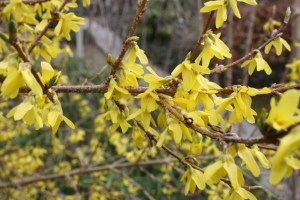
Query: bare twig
[198, 44]
[146, 193]
[78, 171]
[102, 88]
[140, 10]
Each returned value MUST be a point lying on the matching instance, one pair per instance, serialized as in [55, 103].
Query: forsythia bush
[185, 114]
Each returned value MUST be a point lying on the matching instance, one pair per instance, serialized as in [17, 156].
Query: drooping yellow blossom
[86, 2]
[233, 4]
[271, 24]
[285, 113]
[55, 117]
[46, 49]
[194, 178]
[239, 194]
[118, 117]
[241, 100]
[257, 62]
[49, 76]
[188, 71]
[148, 101]
[154, 80]
[220, 6]
[76, 136]
[29, 112]
[29, 79]
[294, 75]
[11, 84]
[277, 43]
[68, 22]
[136, 52]
[246, 155]
[213, 47]
[213, 173]
[17, 8]
[282, 162]
[113, 88]
[196, 146]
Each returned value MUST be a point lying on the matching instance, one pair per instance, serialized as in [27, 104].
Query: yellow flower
[282, 164]
[189, 73]
[29, 112]
[135, 52]
[277, 43]
[220, 6]
[213, 173]
[55, 117]
[48, 76]
[241, 99]
[46, 49]
[213, 47]
[86, 2]
[29, 79]
[257, 62]
[294, 75]
[67, 23]
[77, 136]
[154, 80]
[17, 8]
[196, 146]
[233, 4]
[113, 88]
[11, 84]
[194, 178]
[286, 112]
[271, 24]
[148, 101]
[239, 193]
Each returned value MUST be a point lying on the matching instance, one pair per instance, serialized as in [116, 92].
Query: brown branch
[198, 44]
[221, 68]
[188, 122]
[102, 88]
[78, 171]
[54, 18]
[140, 10]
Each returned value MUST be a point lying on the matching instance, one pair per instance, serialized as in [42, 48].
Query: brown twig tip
[140, 10]
[198, 44]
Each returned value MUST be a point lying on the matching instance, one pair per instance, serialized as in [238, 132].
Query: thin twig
[198, 44]
[146, 193]
[78, 171]
[140, 10]
[102, 88]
